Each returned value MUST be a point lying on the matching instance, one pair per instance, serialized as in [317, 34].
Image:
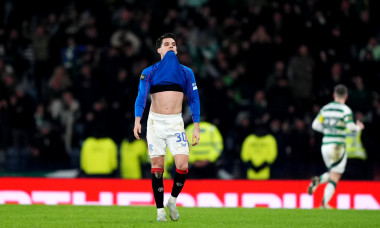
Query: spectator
[121, 108]
[372, 47]
[277, 73]
[22, 109]
[98, 156]
[70, 54]
[203, 157]
[133, 156]
[300, 73]
[259, 151]
[258, 59]
[5, 69]
[282, 166]
[356, 155]
[48, 149]
[69, 117]
[259, 108]
[230, 157]
[280, 100]
[335, 78]
[365, 28]
[299, 142]
[41, 44]
[360, 98]
[58, 82]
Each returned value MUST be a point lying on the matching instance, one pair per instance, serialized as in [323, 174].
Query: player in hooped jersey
[333, 120]
[167, 81]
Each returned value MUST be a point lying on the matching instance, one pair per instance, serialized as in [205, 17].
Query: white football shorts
[335, 157]
[166, 131]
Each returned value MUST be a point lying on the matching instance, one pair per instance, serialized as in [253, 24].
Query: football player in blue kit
[168, 82]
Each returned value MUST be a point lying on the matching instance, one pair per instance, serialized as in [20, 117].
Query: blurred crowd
[70, 70]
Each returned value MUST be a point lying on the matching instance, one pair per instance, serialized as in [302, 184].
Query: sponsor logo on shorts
[142, 77]
[161, 189]
[151, 147]
[179, 184]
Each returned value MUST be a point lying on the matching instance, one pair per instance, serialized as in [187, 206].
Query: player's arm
[318, 123]
[194, 103]
[355, 127]
[137, 128]
[192, 96]
[140, 103]
[350, 125]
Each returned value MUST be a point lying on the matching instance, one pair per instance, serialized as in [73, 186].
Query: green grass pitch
[145, 216]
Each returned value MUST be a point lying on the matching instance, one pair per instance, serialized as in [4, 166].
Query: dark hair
[166, 35]
[341, 90]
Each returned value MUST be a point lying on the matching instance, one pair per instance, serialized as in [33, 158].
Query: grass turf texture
[122, 216]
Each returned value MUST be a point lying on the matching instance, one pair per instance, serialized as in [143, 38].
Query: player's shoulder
[346, 109]
[326, 106]
[187, 68]
[149, 69]
[332, 105]
[336, 106]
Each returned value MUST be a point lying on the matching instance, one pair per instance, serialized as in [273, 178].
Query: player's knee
[182, 166]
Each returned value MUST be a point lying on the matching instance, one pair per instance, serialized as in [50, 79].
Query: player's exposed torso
[167, 102]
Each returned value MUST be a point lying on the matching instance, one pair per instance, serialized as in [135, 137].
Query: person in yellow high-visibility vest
[203, 157]
[132, 156]
[354, 146]
[259, 151]
[356, 156]
[98, 157]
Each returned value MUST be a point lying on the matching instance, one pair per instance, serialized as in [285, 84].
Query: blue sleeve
[142, 96]
[192, 95]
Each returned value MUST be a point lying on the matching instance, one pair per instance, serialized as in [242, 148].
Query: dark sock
[179, 181]
[158, 187]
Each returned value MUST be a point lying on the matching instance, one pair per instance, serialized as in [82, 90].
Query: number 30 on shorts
[181, 137]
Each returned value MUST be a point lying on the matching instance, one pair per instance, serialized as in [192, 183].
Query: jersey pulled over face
[168, 44]
[165, 80]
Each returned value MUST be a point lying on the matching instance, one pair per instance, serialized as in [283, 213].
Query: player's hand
[195, 139]
[360, 124]
[137, 129]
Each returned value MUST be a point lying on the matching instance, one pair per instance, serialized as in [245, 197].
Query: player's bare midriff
[167, 102]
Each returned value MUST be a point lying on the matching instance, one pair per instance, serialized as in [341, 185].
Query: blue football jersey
[168, 72]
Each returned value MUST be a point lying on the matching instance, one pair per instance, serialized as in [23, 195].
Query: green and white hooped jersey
[334, 117]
